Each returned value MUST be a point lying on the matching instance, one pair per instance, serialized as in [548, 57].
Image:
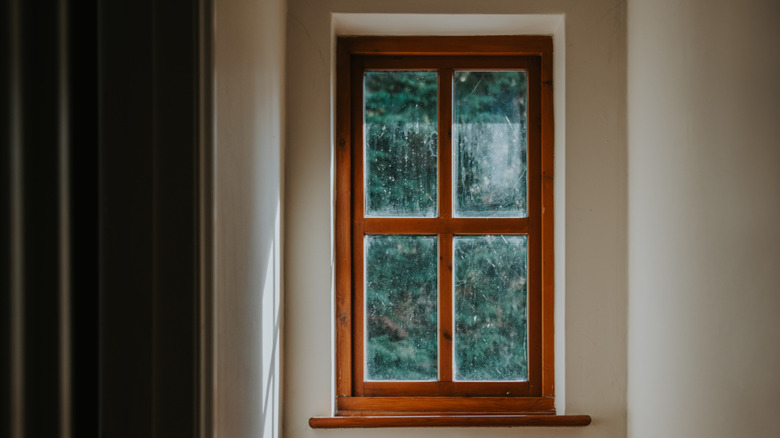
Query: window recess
[444, 275]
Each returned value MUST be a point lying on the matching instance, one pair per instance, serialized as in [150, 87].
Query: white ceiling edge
[445, 24]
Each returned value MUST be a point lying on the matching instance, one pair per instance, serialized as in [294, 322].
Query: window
[444, 275]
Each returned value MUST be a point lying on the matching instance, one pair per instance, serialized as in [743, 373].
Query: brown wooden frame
[444, 398]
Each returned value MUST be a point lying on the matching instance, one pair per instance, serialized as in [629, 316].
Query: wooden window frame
[445, 402]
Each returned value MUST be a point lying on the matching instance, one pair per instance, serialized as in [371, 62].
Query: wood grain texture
[456, 45]
[514, 405]
[449, 421]
[343, 229]
[547, 227]
[445, 65]
[446, 386]
[446, 324]
[444, 225]
[367, 399]
[535, 316]
[358, 203]
[445, 143]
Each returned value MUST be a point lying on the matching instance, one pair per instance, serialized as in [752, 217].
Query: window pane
[401, 138]
[490, 307]
[401, 307]
[489, 143]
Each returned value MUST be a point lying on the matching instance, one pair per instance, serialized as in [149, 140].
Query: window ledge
[338, 422]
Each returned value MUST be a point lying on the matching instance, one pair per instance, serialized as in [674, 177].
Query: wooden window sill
[338, 422]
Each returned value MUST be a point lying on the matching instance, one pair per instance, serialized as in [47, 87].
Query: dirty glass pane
[401, 139]
[490, 307]
[489, 143]
[401, 307]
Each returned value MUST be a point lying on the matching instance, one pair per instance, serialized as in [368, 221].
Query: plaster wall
[249, 56]
[591, 207]
[704, 198]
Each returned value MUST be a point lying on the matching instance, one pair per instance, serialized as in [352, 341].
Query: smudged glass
[401, 143]
[491, 341]
[490, 143]
[401, 307]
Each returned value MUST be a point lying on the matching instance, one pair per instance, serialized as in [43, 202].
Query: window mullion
[445, 143]
[445, 239]
[445, 308]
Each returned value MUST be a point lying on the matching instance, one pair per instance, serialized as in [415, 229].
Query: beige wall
[702, 239]
[704, 202]
[593, 198]
[249, 106]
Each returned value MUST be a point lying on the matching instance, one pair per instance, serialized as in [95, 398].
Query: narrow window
[444, 275]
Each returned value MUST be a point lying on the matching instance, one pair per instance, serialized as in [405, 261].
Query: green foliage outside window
[401, 271]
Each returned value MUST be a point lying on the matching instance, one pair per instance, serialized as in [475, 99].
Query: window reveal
[444, 225]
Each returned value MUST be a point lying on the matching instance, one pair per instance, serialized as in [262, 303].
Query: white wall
[249, 63]
[704, 203]
[594, 211]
